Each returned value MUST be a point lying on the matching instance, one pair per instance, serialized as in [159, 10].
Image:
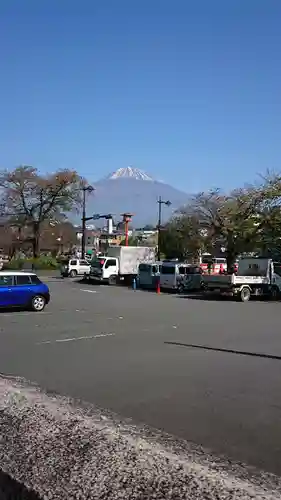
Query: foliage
[41, 263]
[133, 241]
[268, 219]
[229, 219]
[16, 264]
[246, 220]
[183, 238]
[30, 198]
[6, 237]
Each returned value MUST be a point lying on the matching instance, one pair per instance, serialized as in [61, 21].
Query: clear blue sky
[189, 91]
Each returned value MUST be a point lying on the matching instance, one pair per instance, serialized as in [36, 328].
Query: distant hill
[132, 190]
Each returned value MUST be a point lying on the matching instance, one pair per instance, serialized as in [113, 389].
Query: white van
[172, 275]
[75, 267]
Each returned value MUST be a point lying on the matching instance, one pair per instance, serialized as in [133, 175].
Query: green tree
[133, 241]
[32, 198]
[184, 238]
[233, 221]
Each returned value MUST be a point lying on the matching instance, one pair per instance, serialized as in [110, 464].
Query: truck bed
[231, 280]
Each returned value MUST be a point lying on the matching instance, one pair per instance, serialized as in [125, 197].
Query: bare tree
[32, 198]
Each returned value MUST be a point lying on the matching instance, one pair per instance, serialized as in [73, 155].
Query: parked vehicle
[172, 274]
[192, 281]
[213, 265]
[149, 274]
[120, 264]
[75, 267]
[255, 276]
[22, 289]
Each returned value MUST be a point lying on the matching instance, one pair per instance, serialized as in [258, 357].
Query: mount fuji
[134, 191]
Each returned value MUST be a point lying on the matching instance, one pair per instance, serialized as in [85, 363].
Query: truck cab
[120, 264]
[104, 268]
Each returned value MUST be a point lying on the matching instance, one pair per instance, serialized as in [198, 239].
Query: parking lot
[148, 357]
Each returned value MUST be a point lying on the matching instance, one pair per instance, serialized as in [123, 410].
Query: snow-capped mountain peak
[130, 173]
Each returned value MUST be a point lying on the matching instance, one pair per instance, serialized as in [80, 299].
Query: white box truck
[255, 276]
[120, 264]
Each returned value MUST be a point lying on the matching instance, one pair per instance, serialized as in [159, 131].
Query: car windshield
[97, 263]
[168, 270]
[193, 270]
[145, 268]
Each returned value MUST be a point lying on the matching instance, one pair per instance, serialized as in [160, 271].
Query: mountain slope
[132, 190]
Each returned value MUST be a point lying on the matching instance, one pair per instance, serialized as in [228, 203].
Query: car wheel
[73, 273]
[38, 303]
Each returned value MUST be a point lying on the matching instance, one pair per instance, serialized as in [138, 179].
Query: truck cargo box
[131, 257]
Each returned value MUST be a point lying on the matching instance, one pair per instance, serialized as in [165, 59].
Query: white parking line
[89, 291]
[74, 339]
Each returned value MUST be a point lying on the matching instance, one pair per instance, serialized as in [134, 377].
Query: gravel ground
[68, 451]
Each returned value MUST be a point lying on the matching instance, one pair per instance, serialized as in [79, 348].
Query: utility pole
[160, 203]
[89, 189]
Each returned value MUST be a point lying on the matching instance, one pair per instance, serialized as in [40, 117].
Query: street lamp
[85, 189]
[160, 203]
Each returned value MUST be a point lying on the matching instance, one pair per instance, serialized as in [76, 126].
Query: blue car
[23, 289]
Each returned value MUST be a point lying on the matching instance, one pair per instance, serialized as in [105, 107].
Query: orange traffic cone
[158, 289]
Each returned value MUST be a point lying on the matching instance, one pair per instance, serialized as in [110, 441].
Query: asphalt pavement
[147, 357]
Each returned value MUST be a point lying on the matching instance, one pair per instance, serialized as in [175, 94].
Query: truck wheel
[245, 295]
[112, 280]
[275, 294]
[73, 273]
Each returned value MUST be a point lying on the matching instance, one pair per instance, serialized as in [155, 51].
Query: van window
[182, 270]
[193, 270]
[144, 268]
[154, 269]
[277, 268]
[168, 270]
